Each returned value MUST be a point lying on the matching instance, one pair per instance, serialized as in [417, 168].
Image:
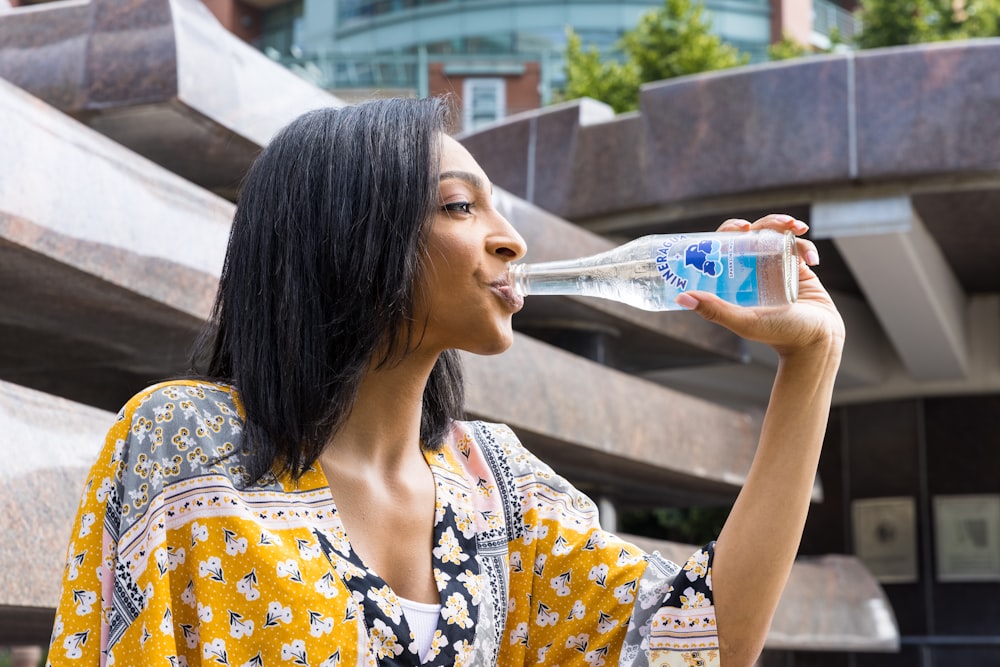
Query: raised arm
[757, 546]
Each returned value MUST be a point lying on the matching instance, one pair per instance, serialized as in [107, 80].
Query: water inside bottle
[649, 273]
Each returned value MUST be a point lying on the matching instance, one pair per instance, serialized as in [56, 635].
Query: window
[483, 102]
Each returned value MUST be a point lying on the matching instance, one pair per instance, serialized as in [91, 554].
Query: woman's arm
[757, 546]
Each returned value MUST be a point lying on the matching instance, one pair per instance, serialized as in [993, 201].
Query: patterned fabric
[176, 559]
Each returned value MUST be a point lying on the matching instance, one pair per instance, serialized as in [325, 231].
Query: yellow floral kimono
[176, 558]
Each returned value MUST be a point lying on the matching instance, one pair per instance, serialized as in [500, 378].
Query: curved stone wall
[910, 113]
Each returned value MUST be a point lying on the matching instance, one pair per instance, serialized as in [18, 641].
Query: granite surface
[160, 77]
[631, 439]
[617, 178]
[47, 56]
[109, 262]
[928, 110]
[693, 137]
[130, 53]
[48, 446]
[508, 152]
[85, 192]
[531, 154]
[781, 124]
[556, 136]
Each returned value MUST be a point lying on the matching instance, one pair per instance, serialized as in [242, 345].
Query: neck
[383, 430]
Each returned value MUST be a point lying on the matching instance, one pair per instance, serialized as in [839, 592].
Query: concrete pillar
[906, 279]
[608, 514]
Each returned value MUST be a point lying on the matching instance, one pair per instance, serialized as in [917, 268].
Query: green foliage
[787, 48]
[978, 18]
[612, 82]
[671, 41]
[895, 22]
[675, 40]
[898, 22]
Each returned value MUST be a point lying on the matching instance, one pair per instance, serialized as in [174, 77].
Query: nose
[506, 242]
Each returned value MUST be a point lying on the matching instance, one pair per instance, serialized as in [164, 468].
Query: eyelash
[458, 207]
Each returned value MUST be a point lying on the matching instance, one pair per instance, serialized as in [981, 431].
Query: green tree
[587, 75]
[670, 41]
[788, 48]
[897, 22]
[981, 19]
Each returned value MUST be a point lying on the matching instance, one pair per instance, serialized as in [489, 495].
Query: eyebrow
[467, 176]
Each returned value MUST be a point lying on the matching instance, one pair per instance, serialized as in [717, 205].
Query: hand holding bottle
[812, 319]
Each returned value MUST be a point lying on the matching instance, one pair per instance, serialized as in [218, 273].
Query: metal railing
[330, 70]
[828, 17]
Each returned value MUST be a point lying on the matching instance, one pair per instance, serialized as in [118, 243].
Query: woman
[315, 498]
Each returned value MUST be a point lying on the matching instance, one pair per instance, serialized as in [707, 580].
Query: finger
[807, 251]
[714, 309]
[734, 225]
[781, 222]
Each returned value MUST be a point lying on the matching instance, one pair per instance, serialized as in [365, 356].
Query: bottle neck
[515, 274]
[561, 277]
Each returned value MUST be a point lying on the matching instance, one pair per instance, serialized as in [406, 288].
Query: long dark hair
[319, 276]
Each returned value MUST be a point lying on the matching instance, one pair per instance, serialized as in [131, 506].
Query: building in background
[496, 58]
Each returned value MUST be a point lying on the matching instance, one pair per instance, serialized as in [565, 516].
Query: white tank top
[423, 621]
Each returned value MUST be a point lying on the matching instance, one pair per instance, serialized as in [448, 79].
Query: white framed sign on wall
[885, 537]
[967, 537]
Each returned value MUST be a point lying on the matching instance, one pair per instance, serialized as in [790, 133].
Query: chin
[498, 345]
[494, 349]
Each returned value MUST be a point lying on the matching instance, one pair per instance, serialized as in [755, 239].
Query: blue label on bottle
[711, 265]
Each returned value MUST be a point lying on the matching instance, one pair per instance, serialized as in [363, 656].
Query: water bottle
[758, 268]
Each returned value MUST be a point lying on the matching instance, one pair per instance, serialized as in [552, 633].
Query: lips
[502, 288]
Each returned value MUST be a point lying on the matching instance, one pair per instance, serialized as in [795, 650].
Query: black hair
[319, 277]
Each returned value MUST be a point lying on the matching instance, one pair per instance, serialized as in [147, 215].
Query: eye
[458, 207]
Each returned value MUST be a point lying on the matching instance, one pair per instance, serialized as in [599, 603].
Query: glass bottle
[758, 268]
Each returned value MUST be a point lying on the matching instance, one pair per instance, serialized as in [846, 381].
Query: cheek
[436, 281]
[449, 257]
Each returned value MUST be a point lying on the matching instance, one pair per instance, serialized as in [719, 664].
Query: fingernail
[812, 258]
[686, 301]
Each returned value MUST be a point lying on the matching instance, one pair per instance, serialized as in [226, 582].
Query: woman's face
[462, 293]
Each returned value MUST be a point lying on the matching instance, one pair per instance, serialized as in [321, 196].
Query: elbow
[739, 653]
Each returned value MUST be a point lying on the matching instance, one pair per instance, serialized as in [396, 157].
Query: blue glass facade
[384, 43]
[520, 26]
